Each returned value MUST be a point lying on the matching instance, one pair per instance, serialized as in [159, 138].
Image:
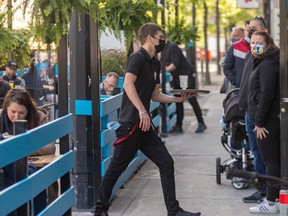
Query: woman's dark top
[264, 89]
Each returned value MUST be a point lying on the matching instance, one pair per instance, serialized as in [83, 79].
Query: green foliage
[113, 61]
[21, 50]
[126, 15]
[16, 41]
[51, 18]
[181, 33]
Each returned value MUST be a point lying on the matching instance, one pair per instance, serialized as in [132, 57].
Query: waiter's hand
[184, 96]
[145, 121]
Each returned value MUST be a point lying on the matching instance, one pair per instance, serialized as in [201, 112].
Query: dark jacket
[234, 61]
[242, 96]
[264, 89]
[16, 80]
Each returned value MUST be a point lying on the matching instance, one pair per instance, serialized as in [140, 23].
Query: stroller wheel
[239, 183]
[218, 170]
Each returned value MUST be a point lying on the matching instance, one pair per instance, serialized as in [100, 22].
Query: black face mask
[161, 46]
[251, 31]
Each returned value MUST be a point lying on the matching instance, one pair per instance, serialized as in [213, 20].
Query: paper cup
[183, 81]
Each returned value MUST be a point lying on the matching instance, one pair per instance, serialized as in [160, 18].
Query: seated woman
[18, 105]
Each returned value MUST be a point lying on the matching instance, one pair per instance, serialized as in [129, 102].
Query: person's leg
[197, 110]
[258, 162]
[180, 114]
[156, 151]
[122, 156]
[270, 152]
[198, 113]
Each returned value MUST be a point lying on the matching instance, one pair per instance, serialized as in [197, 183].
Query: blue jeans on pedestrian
[258, 162]
[124, 152]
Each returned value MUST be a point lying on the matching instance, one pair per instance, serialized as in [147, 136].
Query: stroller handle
[235, 90]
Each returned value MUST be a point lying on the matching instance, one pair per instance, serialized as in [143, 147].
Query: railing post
[20, 166]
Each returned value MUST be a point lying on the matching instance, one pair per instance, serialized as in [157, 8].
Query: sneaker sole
[250, 201]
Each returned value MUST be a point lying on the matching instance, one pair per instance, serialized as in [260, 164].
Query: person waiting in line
[237, 34]
[264, 110]
[178, 65]
[109, 85]
[11, 77]
[135, 132]
[256, 24]
[233, 67]
[18, 105]
[235, 56]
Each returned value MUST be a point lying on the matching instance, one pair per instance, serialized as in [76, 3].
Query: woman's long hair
[267, 38]
[22, 97]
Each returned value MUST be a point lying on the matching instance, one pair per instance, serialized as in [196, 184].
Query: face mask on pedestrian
[257, 49]
[234, 39]
[247, 39]
[160, 46]
[251, 31]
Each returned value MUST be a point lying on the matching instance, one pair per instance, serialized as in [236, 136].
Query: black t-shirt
[147, 70]
[175, 55]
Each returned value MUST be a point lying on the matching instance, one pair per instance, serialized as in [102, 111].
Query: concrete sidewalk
[195, 170]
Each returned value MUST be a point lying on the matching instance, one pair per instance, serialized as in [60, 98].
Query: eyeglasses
[109, 85]
[261, 19]
[161, 37]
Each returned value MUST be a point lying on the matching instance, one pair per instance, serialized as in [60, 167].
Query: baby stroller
[235, 141]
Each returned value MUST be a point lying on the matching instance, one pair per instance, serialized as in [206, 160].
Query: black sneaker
[177, 129]
[254, 198]
[185, 213]
[201, 128]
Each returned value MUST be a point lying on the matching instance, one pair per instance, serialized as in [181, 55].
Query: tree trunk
[207, 78]
[218, 37]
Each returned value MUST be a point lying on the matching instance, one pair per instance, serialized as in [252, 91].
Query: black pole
[284, 89]
[163, 84]
[63, 105]
[96, 127]
[81, 137]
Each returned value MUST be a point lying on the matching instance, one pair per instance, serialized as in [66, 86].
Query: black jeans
[152, 146]
[197, 110]
[270, 151]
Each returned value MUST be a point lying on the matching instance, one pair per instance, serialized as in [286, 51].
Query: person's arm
[174, 54]
[170, 67]
[163, 98]
[228, 66]
[133, 96]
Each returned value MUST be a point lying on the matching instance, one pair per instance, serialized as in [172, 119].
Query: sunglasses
[262, 20]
